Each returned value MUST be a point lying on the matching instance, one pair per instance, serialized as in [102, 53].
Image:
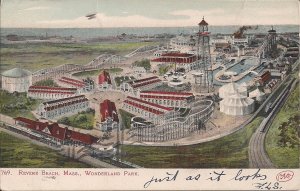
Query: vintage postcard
[149, 95]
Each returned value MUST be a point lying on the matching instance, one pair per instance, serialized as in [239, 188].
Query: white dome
[237, 105]
[232, 89]
[16, 73]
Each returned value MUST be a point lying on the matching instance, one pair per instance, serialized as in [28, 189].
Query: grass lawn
[164, 69]
[165, 87]
[17, 153]
[97, 72]
[277, 152]
[39, 56]
[82, 120]
[17, 104]
[48, 82]
[227, 152]
[145, 63]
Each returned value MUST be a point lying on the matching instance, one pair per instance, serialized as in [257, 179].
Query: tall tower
[271, 40]
[204, 78]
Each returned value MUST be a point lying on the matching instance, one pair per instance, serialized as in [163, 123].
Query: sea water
[86, 33]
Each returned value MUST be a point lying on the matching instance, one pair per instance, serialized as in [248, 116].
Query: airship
[91, 16]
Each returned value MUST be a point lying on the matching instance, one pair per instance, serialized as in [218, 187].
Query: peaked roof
[231, 89]
[108, 109]
[203, 22]
[256, 93]
[57, 132]
[104, 77]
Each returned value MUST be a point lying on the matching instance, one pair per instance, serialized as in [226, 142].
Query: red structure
[147, 106]
[145, 82]
[263, 78]
[72, 82]
[55, 131]
[176, 58]
[108, 110]
[104, 77]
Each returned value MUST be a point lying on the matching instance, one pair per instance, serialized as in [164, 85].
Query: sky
[145, 13]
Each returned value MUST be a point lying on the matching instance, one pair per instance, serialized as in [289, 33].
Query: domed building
[16, 80]
[237, 104]
[231, 89]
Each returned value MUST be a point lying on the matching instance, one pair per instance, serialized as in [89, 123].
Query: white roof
[237, 100]
[231, 89]
[16, 73]
[256, 93]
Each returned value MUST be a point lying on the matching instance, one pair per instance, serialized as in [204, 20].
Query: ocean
[86, 33]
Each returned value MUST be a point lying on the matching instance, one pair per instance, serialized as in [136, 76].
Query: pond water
[239, 68]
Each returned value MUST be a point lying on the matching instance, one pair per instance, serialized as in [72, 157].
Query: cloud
[103, 20]
[190, 18]
[35, 8]
[187, 17]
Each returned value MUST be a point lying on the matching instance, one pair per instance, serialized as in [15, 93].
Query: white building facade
[60, 107]
[135, 86]
[167, 99]
[16, 80]
[50, 93]
[150, 111]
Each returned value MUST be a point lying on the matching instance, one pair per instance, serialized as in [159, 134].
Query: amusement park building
[108, 115]
[183, 44]
[231, 89]
[16, 80]
[258, 95]
[81, 85]
[56, 108]
[237, 104]
[263, 78]
[183, 60]
[51, 93]
[168, 99]
[54, 132]
[150, 111]
[140, 85]
[104, 81]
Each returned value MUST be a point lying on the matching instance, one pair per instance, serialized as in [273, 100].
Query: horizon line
[142, 26]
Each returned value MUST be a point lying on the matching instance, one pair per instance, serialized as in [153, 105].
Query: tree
[65, 120]
[82, 118]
